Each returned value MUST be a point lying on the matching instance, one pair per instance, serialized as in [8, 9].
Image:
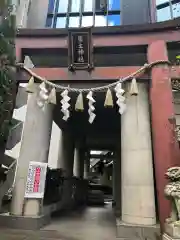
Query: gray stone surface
[137, 186]
[9, 234]
[173, 230]
[167, 237]
[18, 222]
[137, 232]
[92, 223]
[34, 147]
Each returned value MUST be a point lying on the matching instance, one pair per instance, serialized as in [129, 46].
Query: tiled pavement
[95, 223]
[9, 234]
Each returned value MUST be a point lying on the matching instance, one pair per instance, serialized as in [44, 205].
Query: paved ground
[92, 223]
[31, 235]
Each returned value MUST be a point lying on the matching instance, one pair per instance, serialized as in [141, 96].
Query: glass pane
[114, 4]
[88, 6]
[63, 6]
[97, 5]
[163, 14]
[48, 21]
[158, 2]
[87, 21]
[114, 20]
[75, 5]
[100, 21]
[61, 22]
[51, 6]
[176, 10]
[74, 21]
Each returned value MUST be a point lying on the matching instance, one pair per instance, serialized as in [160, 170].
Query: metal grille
[83, 13]
[167, 9]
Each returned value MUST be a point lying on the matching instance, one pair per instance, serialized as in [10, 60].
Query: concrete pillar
[22, 13]
[37, 14]
[135, 12]
[104, 178]
[166, 149]
[65, 162]
[34, 147]
[86, 166]
[117, 182]
[66, 153]
[78, 162]
[138, 201]
[56, 137]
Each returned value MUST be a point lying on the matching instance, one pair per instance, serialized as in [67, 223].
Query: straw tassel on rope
[134, 88]
[52, 96]
[30, 86]
[109, 99]
[79, 106]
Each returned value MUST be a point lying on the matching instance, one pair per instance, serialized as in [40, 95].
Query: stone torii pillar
[66, 153]
[79, 156]
[138, 200]
[34, 147]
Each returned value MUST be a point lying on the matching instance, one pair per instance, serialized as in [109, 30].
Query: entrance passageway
[86, 224]
[96, 153]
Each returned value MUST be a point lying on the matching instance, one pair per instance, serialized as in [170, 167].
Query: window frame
[168, 3]
[54, 15]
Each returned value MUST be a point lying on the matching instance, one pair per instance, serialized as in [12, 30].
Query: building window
[167, 9]
[83, 13]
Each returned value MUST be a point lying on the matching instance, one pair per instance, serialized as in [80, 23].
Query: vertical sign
[80, 49]
[36, 178]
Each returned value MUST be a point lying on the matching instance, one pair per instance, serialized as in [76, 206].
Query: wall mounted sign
[80, 49]
[36, 178]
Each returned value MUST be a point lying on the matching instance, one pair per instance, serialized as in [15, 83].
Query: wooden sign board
[80, 49]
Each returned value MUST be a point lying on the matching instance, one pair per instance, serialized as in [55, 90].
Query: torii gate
[165, 149]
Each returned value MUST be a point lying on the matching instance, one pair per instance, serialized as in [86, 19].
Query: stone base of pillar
[24, 223]
[172, 230]
[117, 212]
[167, 237]
[137, 232]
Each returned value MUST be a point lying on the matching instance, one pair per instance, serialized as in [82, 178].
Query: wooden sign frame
[80, 49]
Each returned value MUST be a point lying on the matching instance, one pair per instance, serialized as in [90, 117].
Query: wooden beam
[100, 73]
[99, 41]
[62, 74]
